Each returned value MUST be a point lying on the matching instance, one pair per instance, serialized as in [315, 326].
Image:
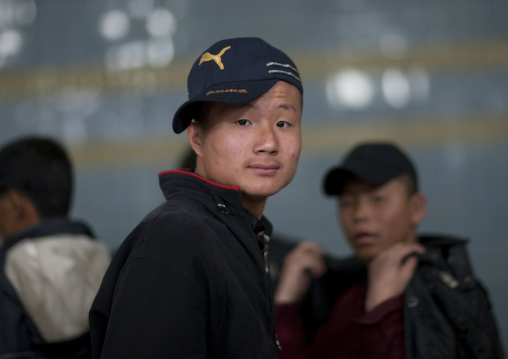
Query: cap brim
[337, 177]
[335, 180]
[233, 93]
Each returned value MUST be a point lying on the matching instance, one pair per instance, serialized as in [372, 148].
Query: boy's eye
[243, 122]
[282, 124]
[345, 202]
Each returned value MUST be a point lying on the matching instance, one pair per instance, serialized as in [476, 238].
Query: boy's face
[374, 218]
[255, 146]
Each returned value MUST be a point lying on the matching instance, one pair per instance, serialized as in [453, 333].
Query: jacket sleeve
[455, 294]
[469, 313]
[156, 312]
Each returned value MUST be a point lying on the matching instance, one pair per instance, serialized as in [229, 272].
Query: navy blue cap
[375, 163]
[234, 71]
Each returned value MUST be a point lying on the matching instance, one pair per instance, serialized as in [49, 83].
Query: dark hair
[410, 182]
[188, 160]
[40, 169]
[202, 113]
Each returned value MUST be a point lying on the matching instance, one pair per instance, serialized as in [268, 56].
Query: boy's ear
[194, 133]
[23, 207]
[16, 202]
[19, 212]
[418, 207]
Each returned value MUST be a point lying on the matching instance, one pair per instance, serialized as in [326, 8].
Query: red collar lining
[234, 188]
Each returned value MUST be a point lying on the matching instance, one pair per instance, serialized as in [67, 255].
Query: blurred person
[404, 295]
[190, 281]
[50, 266]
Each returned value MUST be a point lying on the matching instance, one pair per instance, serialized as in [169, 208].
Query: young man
[190, 281]
[50, 266]
[404, 296]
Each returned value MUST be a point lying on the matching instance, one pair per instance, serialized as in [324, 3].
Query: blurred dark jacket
[447, 310]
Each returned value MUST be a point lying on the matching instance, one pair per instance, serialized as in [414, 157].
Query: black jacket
[447, 312]
[188, 282]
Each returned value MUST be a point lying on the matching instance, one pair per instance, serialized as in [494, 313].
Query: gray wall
[431, 75]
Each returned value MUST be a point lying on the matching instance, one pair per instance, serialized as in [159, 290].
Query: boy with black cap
[403, 296]
[190, 281]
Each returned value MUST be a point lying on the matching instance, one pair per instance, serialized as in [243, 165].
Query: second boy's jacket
[192, 278]
[447, 311]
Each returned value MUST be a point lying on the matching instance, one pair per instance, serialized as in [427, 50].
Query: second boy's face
[374, 218]
[255, 146]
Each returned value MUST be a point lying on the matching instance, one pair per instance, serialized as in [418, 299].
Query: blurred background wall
[105, 77]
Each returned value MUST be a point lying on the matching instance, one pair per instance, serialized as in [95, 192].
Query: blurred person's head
[243, 117]
[35, 184]
[379, 203]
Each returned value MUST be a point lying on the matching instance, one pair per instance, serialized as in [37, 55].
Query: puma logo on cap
[217, 58]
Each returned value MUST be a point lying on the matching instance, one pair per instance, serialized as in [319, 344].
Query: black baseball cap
[234, 71]
[375, 163]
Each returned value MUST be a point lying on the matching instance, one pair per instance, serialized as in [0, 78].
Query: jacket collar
[259, 224]
[223, 202]
[227, 196]
[50, 227]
